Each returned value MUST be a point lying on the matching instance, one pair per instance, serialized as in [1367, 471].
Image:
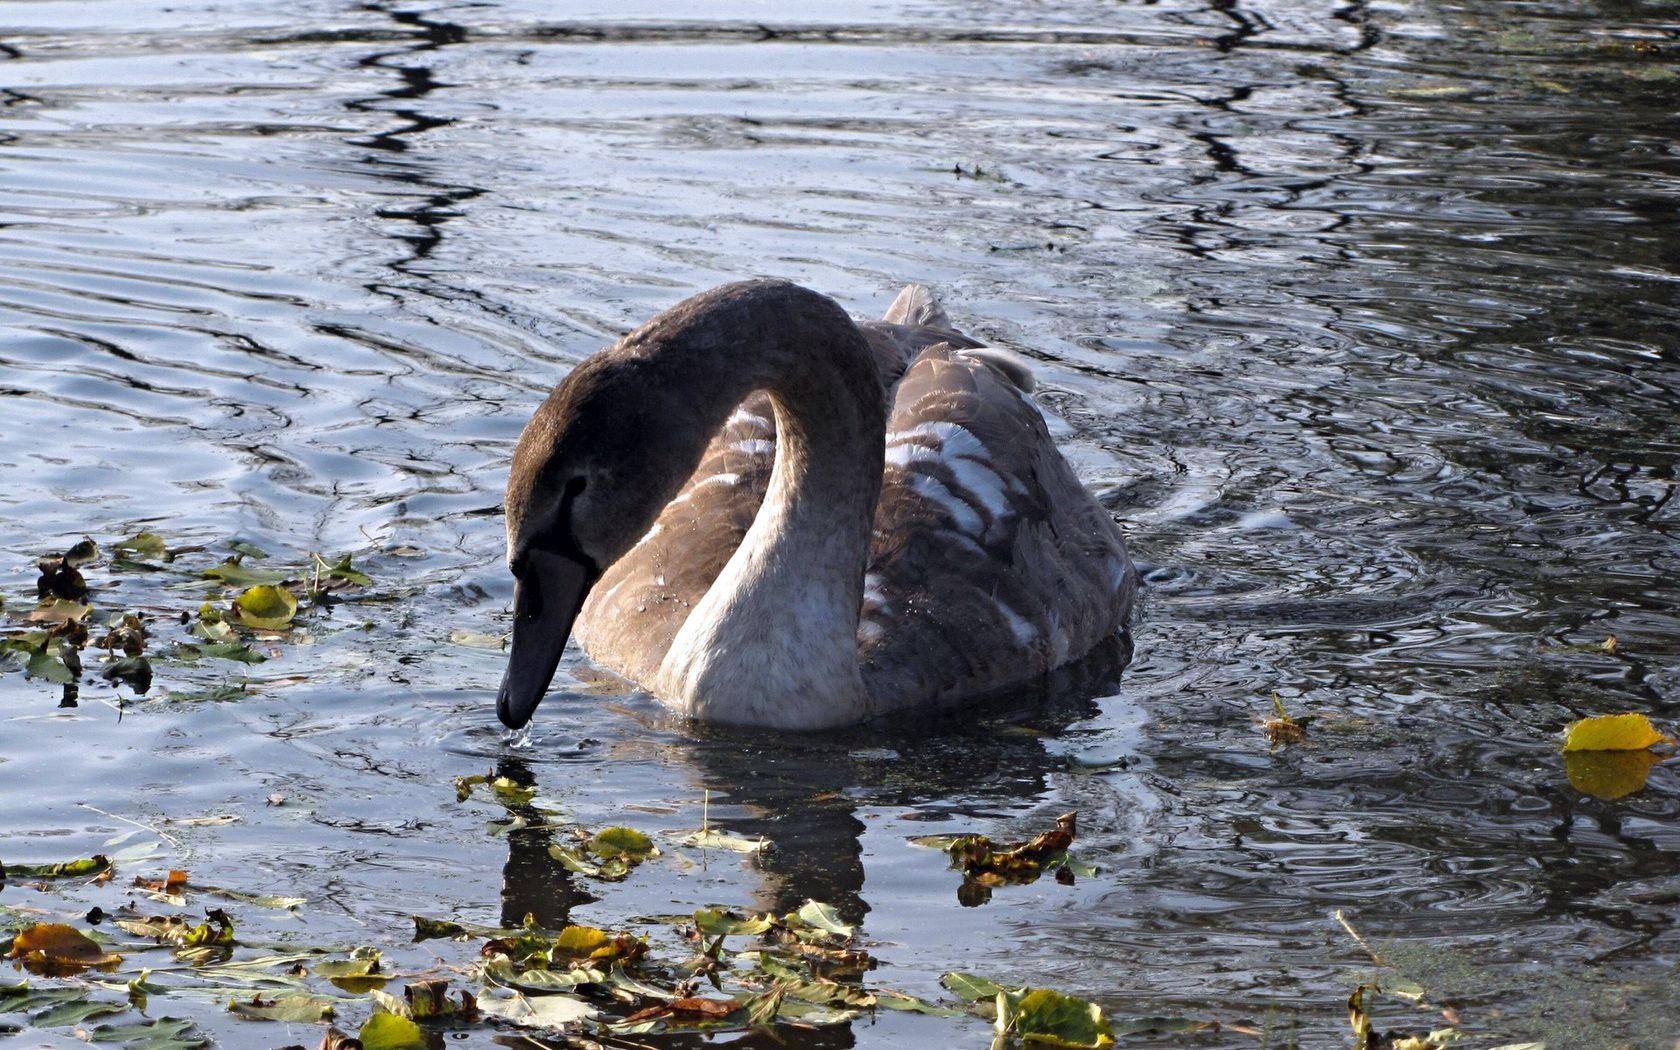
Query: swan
[766, 514]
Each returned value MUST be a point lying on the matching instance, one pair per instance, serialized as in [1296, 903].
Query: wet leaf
[1281, 729]
[390, 1032]
[425, 929]
[144, 545]
[234, 574]
[1628, 732]
[341, 571]
[1042, 1015]
[83, 552]
[711, 839]
[911, 1004]
[69, 869]
[296, 1008]
[970, 988]
[231, 651]
[538, 1011]
[624, 843]
[359, 973]
[164, 1033]
[502, 972]
[45, 665]
[1609, 775]
[261, 900]
[266, 607]
[54, 949]
[823, 917]
[58, 610]
[478, 639]
[430, 999]
[249, 550]
[716, 922]
[133, 671]
[76, 1013]
[506, 791]
[574, 860]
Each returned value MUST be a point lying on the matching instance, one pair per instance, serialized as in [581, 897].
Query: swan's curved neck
[774, 641]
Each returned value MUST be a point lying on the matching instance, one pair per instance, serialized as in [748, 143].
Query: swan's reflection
[802, 792]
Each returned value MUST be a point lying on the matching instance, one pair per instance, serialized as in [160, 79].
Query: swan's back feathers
[916, 305]
[991, 565]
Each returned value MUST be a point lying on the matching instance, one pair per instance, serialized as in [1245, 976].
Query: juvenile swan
[768, 515]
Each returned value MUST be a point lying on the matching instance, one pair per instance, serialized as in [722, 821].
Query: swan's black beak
[546, 600]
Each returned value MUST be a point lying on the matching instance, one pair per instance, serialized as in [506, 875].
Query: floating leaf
[625, 843]
[69, 869]
[83, 552]
[478, 639]
[502, 972]
[250, 550]
[390, 1032]
[708, 838]
[58, 610]
[1042, 1015]
[266, 607]
[1609, 774]
[430, 999]
[144, 545]
[538, 1011]
[716, 922]
[165, 1033]
[970, 988]
[341, 570]
[1629, 732]
[53, 949]
[297, 1009]
[231, 651]
[506, 791]
[359, 973]
[134, 671]
[261, 900]
[232, 573]
[823, 917]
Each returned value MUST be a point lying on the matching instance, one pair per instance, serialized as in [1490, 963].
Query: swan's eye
[575, 486]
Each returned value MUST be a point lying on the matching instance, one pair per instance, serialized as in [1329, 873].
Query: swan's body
[765, 514]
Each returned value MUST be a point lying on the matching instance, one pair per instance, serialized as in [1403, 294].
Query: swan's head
[596, 464]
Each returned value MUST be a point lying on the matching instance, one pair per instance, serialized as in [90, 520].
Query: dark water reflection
[1363, 317]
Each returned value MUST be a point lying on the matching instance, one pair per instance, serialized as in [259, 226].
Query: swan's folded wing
[642, 600]
[990, 564]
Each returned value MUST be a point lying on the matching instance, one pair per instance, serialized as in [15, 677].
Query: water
[1363, 319]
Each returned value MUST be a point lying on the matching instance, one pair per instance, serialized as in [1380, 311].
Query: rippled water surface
[1363, 318]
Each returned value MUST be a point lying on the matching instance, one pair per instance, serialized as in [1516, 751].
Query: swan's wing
[991, 564]
[641, 601]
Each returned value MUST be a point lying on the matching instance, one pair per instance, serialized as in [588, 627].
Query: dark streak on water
[1364, 318]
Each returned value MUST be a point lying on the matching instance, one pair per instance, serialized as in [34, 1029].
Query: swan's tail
[916, 305]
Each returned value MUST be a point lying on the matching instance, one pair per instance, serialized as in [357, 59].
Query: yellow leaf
[1630, 732]
[266, 606]
[1609, 774]
[54, 949]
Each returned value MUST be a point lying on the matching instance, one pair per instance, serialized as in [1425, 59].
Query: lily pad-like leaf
[58, 610]
[133, 671]
[430, 999]
[1609, 775]
[266, 607]
[390, 1032]
[83, 552]
[507, 791]
[55, 949]
[625, 843]
[359, 973]
[1042, 1015]
[296, 1009]
[164, 1033]
[1628, 732]
[250, 550]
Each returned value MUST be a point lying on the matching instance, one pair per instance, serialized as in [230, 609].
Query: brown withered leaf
[55, 950]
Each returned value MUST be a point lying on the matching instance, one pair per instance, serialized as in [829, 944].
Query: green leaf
[233, 574]
[970, 987]
[823, 917]
[390, 1032]
[911, 1004]
[1042, 1015]
[502, 972]
[261, 900]
[76, 1013]
[83, 552]
[297, 1009]
[266, 607]
[134, 671]
[42, 665]
[359, 973]
[625, 843]
[250, 550]
[165, 1033]
[341, 570]
[69, 869]
[233, 651]
[144, 545]
[716, 922]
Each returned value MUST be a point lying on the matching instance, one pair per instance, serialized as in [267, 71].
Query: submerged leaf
[390, 1032]
[297, 1009]
[232, 573]
[143, 545]
[266, 607]
[1628, 732]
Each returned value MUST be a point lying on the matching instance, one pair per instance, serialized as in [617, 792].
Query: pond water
[1363, 317]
